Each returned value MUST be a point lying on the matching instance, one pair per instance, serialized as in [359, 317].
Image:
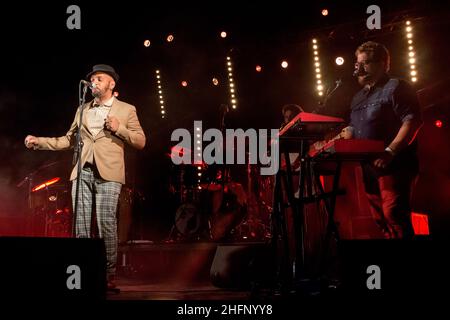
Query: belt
[89, 165]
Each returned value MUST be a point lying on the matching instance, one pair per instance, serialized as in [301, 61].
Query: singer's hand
[112, 123]
[31, 142]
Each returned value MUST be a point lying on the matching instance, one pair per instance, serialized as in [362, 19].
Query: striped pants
[99, 196]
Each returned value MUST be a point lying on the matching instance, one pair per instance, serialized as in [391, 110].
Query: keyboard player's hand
[384, 160]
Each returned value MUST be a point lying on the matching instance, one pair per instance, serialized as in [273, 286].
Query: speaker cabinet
[242, 265]
[60, 268]
[393, 267]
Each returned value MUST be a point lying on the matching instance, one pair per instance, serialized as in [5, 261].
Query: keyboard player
[386, 109]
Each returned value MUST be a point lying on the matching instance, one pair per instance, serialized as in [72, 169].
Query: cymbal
[46, 184]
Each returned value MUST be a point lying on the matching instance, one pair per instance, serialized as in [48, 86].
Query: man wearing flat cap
[107, 125]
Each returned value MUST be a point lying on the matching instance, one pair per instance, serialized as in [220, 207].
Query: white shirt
[96, 116]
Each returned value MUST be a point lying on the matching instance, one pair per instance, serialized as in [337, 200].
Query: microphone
[88, 84]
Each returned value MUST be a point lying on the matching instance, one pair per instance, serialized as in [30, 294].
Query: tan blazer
[107, 147]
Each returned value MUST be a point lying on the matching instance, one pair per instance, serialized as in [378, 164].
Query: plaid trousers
[99, 196]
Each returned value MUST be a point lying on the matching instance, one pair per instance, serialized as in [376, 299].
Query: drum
[188, 220]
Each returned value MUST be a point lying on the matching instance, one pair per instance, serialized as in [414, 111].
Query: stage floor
[146, 290]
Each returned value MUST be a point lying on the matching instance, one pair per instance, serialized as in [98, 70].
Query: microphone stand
[225, 173]
[77, 153]
[323, 104]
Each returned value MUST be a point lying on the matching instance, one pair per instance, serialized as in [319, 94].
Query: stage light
[414, 79]
[258, 68]
[170, 38]
[184, 83]
[409, 35]
[411, 54]
[324, 12]
[284, 64]
[438, 124]
[410, 41]
[233, 99]
[315, 48]
[160, 94]
[412, 60]
[413, 66]
[223, 34]
[339, 61]
[215, 81]
[147, 43]
[408, 29]
[410, 48]
[408, 23]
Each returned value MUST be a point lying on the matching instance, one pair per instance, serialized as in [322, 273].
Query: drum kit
[221, 203]
[49, 204]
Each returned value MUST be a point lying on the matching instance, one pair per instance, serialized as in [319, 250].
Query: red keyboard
[349, 147]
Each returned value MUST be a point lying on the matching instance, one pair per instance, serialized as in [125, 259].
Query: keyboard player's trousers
[389, 201]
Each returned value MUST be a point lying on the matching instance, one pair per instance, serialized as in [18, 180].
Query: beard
[97, 93]
[365, 79]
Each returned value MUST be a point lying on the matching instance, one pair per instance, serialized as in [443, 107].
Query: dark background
[42, 63]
